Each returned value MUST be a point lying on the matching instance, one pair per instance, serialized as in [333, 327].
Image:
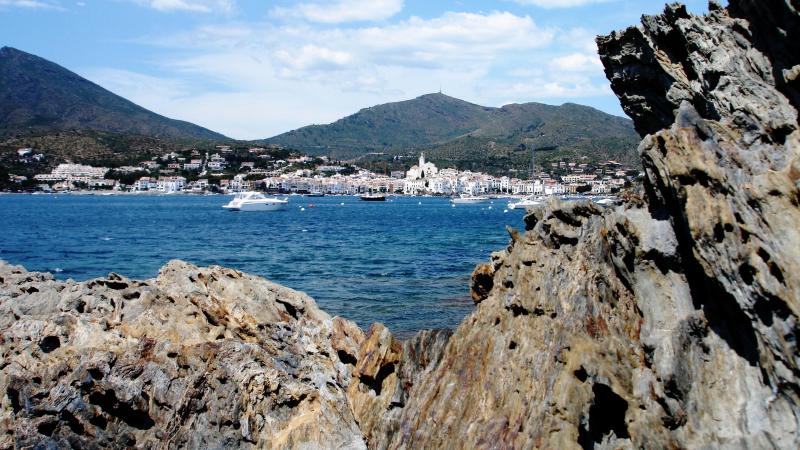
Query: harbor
[404, 262]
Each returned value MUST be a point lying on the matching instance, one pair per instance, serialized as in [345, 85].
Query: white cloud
[579, 39]
[32, 4]
[314, 57]
[548, 88]
[203, 6]
[249, 113]
[577, 62]
[141, 89]
[452, 37]
[454, 40]
[255, 80]
[341, 11]
[550, 4]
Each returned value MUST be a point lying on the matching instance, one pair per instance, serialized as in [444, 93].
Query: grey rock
[670, 321]
[197, 358]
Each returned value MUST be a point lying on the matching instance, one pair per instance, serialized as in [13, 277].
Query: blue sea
[406, 262]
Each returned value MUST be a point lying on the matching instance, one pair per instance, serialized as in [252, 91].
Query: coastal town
[228, 170]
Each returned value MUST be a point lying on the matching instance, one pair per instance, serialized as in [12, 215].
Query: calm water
[402, 263]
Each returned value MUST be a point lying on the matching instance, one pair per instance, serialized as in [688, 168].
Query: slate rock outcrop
[670, 321]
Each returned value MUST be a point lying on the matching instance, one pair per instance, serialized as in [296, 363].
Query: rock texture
[668, 322]
[197, 358]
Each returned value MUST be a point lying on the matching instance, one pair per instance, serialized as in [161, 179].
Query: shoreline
[210, 194]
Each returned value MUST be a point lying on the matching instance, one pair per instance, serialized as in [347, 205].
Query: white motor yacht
[467, 199]
[526, 203]
[605, 201]
[255, 201]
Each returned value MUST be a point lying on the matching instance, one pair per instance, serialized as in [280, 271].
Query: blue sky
[252, 69]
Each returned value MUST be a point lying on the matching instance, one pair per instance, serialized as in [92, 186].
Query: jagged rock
[726, 171]
[197, 358]
[669, 322]
[482, 282]
[387, 370]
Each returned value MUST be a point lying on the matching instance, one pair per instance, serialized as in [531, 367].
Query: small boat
[606, 201]
[526, 203]
[468, 199]
[316, 194]
[255, 201]
[373, 198]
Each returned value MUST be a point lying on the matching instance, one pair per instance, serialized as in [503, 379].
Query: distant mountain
[424, 120]
[454, 130]
[39, 96]
[570, 131]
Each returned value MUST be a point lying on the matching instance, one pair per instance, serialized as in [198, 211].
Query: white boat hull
[467, 201]
[255, 201]
[256, 207]
[525, 204]
[605, 202]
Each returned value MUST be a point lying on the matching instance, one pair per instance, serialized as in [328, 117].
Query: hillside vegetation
[465, 134]
[53, 110]
[37, 95]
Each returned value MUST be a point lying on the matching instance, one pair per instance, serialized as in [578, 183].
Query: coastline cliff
[669, 321]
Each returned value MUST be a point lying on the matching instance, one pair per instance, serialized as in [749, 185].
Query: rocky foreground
[671, 321]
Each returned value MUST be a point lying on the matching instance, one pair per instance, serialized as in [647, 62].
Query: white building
[170, 184]
[73, 172]
[151, 165]
[145, 184]
[216, 165]
[239, 184]
[418, 177]
[422, 171]
[414, 187]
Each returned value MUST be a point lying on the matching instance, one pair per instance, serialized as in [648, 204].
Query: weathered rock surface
[386, 372]
[197, 358]
[668, 322]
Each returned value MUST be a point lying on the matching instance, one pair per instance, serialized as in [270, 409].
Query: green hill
[570, 131]
[38, 96]
[449, 129]
[421, 121]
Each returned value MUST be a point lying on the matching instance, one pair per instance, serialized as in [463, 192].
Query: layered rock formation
[668, 322]
[197, 358]
[672, 321]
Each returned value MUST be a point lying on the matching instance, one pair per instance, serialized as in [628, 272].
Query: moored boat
[528, 202]
[468, 199]
[605, 201]
[255, 201]
[373, 198]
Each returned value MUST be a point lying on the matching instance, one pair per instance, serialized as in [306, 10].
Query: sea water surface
[405, 263]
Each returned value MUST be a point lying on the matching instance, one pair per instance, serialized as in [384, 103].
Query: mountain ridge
[448, 128]
[39, 95]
